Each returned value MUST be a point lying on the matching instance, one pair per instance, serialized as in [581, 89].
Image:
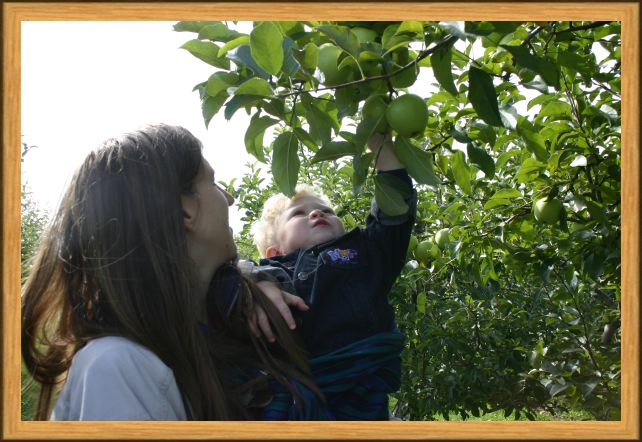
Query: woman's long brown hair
[114, 261]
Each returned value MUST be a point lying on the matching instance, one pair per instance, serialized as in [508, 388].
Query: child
[344, 278]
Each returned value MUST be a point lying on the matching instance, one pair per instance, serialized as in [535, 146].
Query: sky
[84, 82]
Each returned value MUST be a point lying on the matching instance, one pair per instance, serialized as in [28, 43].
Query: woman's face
[211, 230]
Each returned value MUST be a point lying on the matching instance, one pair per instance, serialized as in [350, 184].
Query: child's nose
[316, 213]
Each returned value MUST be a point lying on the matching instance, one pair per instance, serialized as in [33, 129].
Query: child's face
[307, 222]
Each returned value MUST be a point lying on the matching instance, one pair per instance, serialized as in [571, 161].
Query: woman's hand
[283, 301]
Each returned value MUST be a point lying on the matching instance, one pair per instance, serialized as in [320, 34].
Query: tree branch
[420, 57]
[593, 25]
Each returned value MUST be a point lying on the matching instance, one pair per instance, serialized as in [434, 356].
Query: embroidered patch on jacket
[343, 256]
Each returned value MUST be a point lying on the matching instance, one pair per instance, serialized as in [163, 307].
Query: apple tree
[511, 296]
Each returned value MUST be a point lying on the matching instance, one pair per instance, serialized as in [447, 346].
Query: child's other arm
[381, 146]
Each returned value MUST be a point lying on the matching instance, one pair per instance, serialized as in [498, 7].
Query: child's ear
[273, 251]
[190, 212]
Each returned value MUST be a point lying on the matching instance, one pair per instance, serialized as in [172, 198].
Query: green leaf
[232, 44]
[308, 56]
[507, 194]
[442, 68]
[529, 170]
[208, 52]
[555, 108]
[360, 165]
[542, 66]
[211, 105]
[421, 303]
[461, 172]
[575, 62]
[347, 101]
[502, 197]
[255, 86]
[290, 63]
[597, 212]
[411, 28]
[593, 265]
[483, 97]
[533, 140]
[333, 151]
[389, 194]
[306, 139]
[237, 102]
[266, 46]
[557, 389]
[218, 32]
[254, 135]
[193, 26]
[417, 161]
[342, 37]
[481, 159]
[242, 56]
[320, 124]
[220, 81]
[456, 28]
[285, 162]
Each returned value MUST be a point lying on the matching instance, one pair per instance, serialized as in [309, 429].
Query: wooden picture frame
[13, 428]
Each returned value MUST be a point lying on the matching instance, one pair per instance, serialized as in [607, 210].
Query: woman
[135, 301]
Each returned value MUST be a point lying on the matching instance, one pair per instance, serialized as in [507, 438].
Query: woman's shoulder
[114, 348]
[114, 378]
[122, 355]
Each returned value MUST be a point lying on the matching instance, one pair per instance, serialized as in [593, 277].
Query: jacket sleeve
[388, 236]
[116, 381]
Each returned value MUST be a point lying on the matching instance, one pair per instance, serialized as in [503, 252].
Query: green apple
[442, 238]
[403, 79]
[548, 211]
[408, 115]
[364, 35]
[328, 64]
[422, 252]
[374, 108]
[412, 244]
[435, 251]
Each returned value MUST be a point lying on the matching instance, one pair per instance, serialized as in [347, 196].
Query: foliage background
[513, 318]
[513, 315]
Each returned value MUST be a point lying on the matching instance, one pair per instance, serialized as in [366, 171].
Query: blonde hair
[264, 231]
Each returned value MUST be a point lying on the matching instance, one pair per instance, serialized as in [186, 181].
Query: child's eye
[328, 211]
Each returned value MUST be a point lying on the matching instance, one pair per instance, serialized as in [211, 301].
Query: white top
[113, 378]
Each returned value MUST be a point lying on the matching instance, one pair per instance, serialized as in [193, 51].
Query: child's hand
[381, 146]
[283, 301]
[375, 142]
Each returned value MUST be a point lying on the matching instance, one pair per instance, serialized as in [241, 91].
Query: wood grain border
[15, 429]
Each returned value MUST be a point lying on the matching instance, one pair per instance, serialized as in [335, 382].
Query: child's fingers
[253, 325]
[276, 295]
[295, 301]
[264, 324]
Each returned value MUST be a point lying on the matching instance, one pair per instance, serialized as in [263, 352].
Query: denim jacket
[346, 281]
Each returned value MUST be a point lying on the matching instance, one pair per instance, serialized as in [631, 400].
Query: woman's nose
[229, 197]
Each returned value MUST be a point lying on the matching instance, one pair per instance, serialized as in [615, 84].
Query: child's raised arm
[381, 146]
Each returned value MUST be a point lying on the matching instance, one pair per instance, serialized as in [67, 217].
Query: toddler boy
[344, 278]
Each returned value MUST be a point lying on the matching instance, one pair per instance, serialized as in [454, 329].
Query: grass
[29, 396]
[540, 415]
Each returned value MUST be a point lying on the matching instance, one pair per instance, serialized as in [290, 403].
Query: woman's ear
[273, 251]
[190, 211]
